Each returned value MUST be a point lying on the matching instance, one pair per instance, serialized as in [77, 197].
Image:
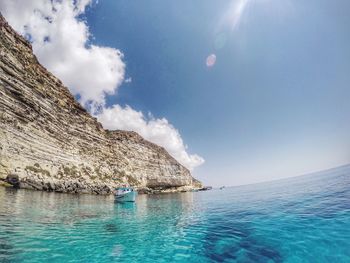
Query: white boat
[125, 194]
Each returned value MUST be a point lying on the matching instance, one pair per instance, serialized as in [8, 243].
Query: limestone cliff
[49, 142]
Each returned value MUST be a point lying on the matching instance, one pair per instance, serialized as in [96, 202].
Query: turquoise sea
[303, 219]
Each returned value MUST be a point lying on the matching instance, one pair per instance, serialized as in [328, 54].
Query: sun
[236, 10]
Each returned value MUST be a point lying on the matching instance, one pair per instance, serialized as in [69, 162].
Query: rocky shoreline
[79, 187]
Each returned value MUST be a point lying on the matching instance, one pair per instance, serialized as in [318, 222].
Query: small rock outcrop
[48, 141]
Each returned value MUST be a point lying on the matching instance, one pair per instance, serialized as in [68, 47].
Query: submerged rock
[50, 142]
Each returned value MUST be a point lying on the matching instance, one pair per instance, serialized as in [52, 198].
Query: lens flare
[220, 40]
[211, 60]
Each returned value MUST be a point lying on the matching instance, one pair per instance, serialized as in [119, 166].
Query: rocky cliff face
[49, 142]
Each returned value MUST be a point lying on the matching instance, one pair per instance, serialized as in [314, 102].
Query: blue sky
[275, 104]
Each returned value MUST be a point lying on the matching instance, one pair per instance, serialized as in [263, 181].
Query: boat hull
[127, 197]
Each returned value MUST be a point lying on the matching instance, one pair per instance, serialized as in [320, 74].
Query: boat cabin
[123, 190]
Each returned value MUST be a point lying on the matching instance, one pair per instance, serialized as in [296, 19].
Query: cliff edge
[48, 141]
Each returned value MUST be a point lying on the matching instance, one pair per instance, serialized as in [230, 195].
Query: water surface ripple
[303, 219]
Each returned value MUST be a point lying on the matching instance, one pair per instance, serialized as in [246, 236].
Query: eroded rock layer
[49, 142]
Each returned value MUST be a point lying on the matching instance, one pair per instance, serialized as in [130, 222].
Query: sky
[238, 91]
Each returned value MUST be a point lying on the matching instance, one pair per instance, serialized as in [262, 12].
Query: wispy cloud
[128, 80]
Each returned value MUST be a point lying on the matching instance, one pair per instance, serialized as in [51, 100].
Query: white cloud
[60, 40]
[159, 131]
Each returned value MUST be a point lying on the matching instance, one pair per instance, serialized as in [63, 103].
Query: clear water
[304, 219]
